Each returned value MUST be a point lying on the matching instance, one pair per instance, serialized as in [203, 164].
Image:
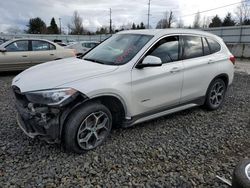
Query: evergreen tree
[216, 22]
[133, 26]
[53, 29]
[36, 26]
[142, 26]
[228, 21]
[246, 22]
[138, 27]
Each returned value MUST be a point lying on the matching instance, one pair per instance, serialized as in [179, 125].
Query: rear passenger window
[38, 45]
[166, 49]
[192, 47]
[206, 49]
[214, 46]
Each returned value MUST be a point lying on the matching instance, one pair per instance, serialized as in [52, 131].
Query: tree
[137, 27]
[180, 23]
[142, 26]
[242, 13]
[102, 30]
[36, 26]
[246, 22]
[169, 16]
[133, 26]
[216, 22]
[197, 20]
[53, 29]
[76, 28]
[167, 21]
[206, 21]
[228, 20]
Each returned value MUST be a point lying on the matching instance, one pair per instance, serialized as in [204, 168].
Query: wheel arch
[222, 76]
[113, 102]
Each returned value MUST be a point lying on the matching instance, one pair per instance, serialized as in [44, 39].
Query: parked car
[60, 42]
[19, 54]
[83, 46]
[2, 41]
[132, 77]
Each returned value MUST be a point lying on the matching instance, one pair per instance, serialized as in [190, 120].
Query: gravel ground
[186, 149]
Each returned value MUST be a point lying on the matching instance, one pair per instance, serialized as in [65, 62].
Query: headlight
[51, 97]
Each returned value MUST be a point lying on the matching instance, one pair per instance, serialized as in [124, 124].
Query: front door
[16, 57]
[159, 88]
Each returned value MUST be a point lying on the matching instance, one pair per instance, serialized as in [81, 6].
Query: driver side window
[166, 49]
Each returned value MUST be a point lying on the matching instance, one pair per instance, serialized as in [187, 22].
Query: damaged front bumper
[37, 120]
[41, 122]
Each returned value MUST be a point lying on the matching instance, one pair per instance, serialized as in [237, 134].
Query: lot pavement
[185, 149]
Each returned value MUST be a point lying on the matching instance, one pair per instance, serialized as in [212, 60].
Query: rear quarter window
[214, 45]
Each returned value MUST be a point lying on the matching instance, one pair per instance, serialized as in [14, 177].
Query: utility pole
[110, 21]
[60, 23]
[148, 11]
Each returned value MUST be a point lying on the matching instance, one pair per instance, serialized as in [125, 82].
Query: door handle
[175, 69]
[24, 56]
[51, 54]
[210, 61]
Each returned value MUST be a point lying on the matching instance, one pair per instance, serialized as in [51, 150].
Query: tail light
[232, 59]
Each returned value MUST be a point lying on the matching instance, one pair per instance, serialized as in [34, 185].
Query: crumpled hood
[55, 73]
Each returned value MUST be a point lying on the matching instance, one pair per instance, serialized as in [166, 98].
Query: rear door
[42, 51]
[16, 57]
[200, 67]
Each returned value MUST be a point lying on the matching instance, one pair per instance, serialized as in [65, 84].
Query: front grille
[21, 98]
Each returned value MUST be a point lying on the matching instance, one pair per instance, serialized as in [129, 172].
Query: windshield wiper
[94, 60]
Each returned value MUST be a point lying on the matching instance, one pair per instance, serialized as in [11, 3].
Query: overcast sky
[95, 13]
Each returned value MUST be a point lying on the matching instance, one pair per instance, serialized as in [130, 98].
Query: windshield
[118, 50]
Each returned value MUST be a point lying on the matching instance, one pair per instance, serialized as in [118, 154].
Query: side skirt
[162, 112]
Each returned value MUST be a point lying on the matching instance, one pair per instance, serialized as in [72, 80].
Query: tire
[215, 96]
[87, 127]
[240, 178]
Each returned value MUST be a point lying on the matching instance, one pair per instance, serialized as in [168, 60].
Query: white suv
[132, 77]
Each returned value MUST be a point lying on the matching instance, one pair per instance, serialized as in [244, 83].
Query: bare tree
[170, 18]
[205, 22]
[242, 13]
[180, 23]
[167, 21]
[197, 20]
[76, 27]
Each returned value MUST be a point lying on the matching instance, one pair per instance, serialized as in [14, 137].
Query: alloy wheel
[93, 130]
[217, 94]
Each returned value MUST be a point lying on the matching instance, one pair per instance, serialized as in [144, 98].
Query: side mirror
[150, 61]
[3, 50]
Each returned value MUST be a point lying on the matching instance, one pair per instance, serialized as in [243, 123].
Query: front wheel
[87, 127]
[215, 94]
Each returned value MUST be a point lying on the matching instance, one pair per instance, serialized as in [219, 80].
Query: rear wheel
[215, 94]
[87, 128]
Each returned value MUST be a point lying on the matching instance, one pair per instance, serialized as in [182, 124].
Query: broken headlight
[52, 97]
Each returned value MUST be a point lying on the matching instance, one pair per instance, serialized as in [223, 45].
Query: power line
[214, 9]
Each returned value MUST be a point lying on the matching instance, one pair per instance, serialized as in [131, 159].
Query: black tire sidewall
[240, 179]
[208, 104]
[74, 121]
